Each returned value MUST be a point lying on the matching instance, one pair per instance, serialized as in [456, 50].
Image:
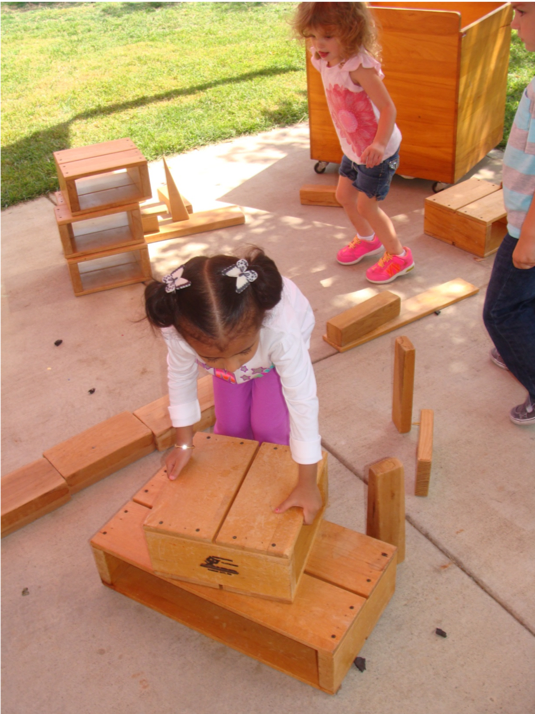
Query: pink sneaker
[390, 267]
[358, 249]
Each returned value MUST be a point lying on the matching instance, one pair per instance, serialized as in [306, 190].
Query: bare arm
[524, 253]
[372, 84]
[176, 459]
[306, 494]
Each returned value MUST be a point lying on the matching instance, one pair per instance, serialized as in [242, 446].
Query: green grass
[171, 76]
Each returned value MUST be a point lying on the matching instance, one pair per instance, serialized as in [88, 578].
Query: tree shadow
[32, 155]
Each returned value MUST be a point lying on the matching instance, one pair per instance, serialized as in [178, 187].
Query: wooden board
[314, 639]
[101, 450]
[318, 195]
[414, 308]
[156, 414]
[404, 361]
[29, 493]
[386, 504]
[424, 454]
[364, 317]
[198, 223]
[230, 536]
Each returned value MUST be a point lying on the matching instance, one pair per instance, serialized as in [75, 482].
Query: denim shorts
[374, 182]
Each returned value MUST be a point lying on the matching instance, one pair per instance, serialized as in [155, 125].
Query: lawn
[171, 76]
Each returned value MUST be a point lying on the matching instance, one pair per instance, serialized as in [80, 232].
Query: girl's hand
[305, 496]
[524, 254]
[175, 461]
[373, 154]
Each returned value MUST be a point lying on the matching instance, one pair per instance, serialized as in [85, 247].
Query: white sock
[368, 238]
[402, 255]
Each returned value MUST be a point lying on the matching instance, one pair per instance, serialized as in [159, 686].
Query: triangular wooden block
[177, 208]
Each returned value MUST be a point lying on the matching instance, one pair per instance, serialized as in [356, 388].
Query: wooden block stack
[208, 551]
[98, 215]
[469, 215]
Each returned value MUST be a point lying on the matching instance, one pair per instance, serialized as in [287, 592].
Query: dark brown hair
[351, 22]
[210, 310]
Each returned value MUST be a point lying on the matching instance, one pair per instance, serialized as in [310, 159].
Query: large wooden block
[402, 397]
[318, 195]
[101, 450]
[470, 215]
[386, 504]
[363, 318]
[215, 525]
[105, 175]
[156, 414]
[349, 580]
[108, 269]
[29, 493]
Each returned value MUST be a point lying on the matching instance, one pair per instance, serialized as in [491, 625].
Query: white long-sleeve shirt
[283, 345]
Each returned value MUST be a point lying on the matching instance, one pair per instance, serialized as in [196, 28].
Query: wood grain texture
[368, 315]
[386, 504]
[424, 454]
[402, 397]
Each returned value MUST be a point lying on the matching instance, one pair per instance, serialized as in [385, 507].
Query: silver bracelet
[184, 447]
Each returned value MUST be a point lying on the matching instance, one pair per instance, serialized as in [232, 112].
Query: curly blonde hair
[351, 22]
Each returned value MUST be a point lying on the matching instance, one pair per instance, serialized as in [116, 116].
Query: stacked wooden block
[98, 215]
[208, 551]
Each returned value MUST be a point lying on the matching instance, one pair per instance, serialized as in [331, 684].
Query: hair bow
[175, 281]
[242, 275]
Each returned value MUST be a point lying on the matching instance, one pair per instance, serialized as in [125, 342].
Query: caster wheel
[438, 186]
[320, 167]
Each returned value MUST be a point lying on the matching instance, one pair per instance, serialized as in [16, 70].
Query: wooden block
[404, 360]
[230, 537]
[424, 457]
[361, 319]
[102, 175]
[101, 450]
[115, 268]
[470, 215]
[199, 223]
[149, 493]
[315, 639]
[318, 195]
[156, 414]
[414, 308]
[90, 233]
[386, 504]
[29, 493]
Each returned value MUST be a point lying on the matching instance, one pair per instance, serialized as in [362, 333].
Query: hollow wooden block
[318, 195]
[89, 233]
[156, 414]
[105, 175]
[424, 456]
[363, 318]
[349, 580]
[109, 269]
[469, 215]
[29, 493]
[386, 504]
[404, 361]
[216, 526]
[101, 450]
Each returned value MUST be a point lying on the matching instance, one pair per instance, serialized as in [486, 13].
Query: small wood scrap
[386, 504]
[415, 308]
[404, 361]
[424, 456]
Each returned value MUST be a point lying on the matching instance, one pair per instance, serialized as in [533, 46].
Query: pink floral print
[352, 113]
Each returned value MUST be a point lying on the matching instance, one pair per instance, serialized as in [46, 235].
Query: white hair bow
[242, 275]
[175, 281]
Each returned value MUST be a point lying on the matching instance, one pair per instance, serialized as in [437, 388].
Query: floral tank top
[355, 116]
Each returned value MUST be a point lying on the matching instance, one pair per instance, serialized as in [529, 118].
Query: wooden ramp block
[361, 319]
[216, 526]
[318, 195]
[404, 361]
[469, 215]
[314, 639]
[414, 308]
[386, 504]
[29, 493]
[199, 223]
[101, 450]
[156, 414]
[424, 456]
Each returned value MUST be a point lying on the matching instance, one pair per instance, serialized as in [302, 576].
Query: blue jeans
[509, 314]
[374, 182]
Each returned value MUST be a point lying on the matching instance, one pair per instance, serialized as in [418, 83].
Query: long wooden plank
[424, 454]
[414, 308]
[198, 223]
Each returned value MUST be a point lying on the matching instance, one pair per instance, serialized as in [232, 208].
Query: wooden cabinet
[445, 66]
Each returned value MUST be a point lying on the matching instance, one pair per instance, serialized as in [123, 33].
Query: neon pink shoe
[390, 267]
[358, 249]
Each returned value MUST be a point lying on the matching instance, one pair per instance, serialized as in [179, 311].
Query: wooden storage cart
[445, 66]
